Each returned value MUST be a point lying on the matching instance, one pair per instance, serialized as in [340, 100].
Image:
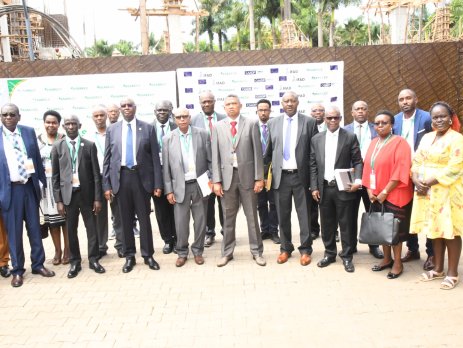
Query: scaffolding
[292, 36]
[18, 35]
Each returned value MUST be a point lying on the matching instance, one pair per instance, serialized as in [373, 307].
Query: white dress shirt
[408, 130]
[237, 120]
[188, 154]
[331, 146]
[99, 140]
[291, 163]
[365, 139]
[10, 153]
[133, 125]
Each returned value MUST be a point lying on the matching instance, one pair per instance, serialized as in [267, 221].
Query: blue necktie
[264, 137]
[287, 147]
[129, 147]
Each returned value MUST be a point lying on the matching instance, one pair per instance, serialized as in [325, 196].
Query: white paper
[203, 182]
[344, 177]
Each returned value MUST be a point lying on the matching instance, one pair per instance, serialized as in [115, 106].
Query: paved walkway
[239, 305]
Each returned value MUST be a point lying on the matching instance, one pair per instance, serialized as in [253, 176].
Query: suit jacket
[350, 128]
[306, 129]
[347, 156]
[88, 170]
[33, 152]
[147, 155]
[248, 153]
[198, 120]
[422, 125]
[174, 176]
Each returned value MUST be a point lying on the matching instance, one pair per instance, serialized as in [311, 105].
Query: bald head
[182, 118]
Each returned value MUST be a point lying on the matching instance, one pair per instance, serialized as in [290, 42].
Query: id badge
[372, 181]
[29, 166]
[48, 173]
[75, 180]
[191, 167]
[235, 160]
[160, 157]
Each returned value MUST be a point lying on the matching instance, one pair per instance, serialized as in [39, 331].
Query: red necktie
[210, 124]
[233, 128]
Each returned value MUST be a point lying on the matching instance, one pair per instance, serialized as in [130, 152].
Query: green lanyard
[73, 158]
[186, 140]
[377, 150]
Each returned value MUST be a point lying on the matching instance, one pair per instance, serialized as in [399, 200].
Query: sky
[106, 19]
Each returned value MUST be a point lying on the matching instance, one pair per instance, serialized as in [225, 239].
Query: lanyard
[12, 142]
[98, 144]
[166, 132]
[186, 140]
[412, 126]
[377, 150]
[73, 158]
[363, 134]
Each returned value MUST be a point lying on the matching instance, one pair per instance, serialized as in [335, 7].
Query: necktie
[19, 157]
[129, 147]
[264, 137]
[287, 147]
[233, 128]
[360, 134]
[210, 124]
[162, 131]
[73, 156]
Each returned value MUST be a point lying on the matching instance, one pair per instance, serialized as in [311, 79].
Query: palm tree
[236, 18]
[305, 16]
[270, 9]
[354, 32]
[126, 48]
[100, 48]
[212, 23]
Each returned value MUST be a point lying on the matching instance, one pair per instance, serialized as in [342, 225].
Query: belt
[19, 182]
[330, 183]
[134, 168]
[289, 171]
[192, 181]
[76, 189]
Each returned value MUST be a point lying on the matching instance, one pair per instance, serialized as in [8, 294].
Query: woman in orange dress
[386, 174]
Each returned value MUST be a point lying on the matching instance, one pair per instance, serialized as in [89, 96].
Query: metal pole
[29, 31]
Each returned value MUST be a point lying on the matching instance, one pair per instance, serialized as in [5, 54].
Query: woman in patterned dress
[437, 173]
[52, 219]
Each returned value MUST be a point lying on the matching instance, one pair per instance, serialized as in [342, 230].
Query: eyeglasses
[381, 123]
[126, 105]
[11, 114]
[182, 117]
[333, 118]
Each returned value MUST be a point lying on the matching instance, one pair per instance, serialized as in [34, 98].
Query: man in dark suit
[412, 123]
[207, 119]
[333, 149]
[238, 174]
[21, 169]
[266, 207]
[163, 210]
[288, 150]
[132, 172]
[76, 182]
[365, 132]
[187, 156]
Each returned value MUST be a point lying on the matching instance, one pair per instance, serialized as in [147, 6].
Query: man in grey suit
[288, 150]
[207, 119]
[334, 149]
[186, 156]
[163, 210]
[76, 183]
[132, 172]
[238, 175]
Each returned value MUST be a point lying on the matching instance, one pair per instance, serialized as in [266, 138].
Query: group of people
[409, 164]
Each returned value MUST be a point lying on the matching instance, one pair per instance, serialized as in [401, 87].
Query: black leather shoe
[129, 264]
[120, 254]
[5, 271]
[95, 265]
[17, 281]
[349, 266]
[326, 261]
[265, 235]
[377, 253]
[275, 239]
[168, 248]
[152, 264]
[43, 272]
[74, 270]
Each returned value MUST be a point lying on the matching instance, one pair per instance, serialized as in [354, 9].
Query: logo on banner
[190, 106]
[246, 89]
[282, 78]
[327, 84]
[251, 105]
[187, 73]
[259, 80]
[269, 87]
[202, 82]
[333, 67]
[273, 70]
[188, 90]
[275, 102]
[250, 72]
[261, 96]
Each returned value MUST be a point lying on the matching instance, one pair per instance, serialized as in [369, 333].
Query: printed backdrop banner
[313, 82]
[77, 94]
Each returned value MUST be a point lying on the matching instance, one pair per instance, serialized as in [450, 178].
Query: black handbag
[379, 228]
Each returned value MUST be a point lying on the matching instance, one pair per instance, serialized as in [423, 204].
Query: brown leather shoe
[180, 261]
[411, 255]
[283, 257]
[306, 259]
[44, 272]
[199, 259]
[17, 281]
[429, 264]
